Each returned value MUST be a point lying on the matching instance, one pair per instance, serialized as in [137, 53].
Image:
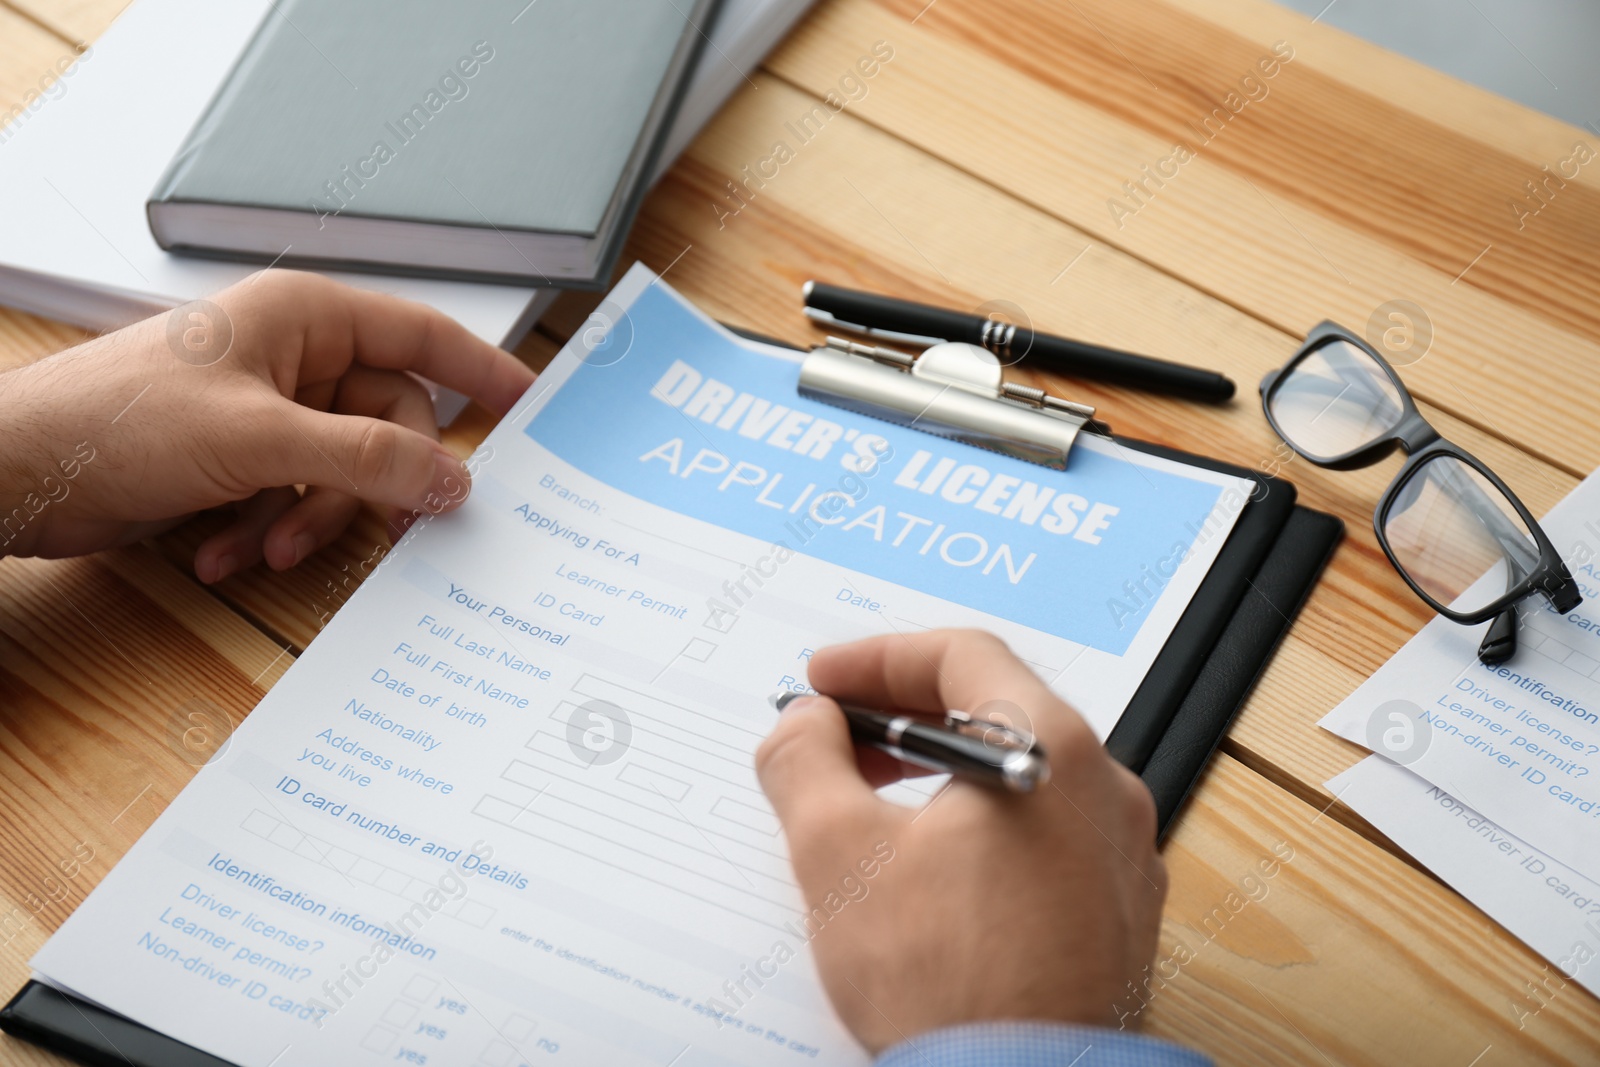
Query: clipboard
[1269, 563]
[1177, 718]
[1245, 603]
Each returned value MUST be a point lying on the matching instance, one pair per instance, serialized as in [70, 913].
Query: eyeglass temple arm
[1499, 642]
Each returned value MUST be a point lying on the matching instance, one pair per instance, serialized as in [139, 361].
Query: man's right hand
[991, 905]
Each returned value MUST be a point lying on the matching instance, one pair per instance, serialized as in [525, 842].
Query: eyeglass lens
[1458, 536]
[1335, 400]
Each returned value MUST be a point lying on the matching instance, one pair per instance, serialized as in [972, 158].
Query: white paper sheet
[1519, 743]
[1548, 905]
[503, 810]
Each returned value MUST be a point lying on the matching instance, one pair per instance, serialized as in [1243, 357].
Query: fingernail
[226, 565]
[304, 544]
[450, 481]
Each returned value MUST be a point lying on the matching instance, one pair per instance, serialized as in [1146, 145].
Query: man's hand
[991, 905]
[284, 380]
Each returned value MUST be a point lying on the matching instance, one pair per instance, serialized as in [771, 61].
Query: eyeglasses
[1458, 536]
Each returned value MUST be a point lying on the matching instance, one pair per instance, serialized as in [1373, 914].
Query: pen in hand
[986, 753]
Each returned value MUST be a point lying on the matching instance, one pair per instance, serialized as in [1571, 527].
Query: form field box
[751, 818]
[259, 823]
[392, 881]
[420, 988]
[699, 650]
[654, 782]
[378, 1039]
[364, 870]
[498, 1054]
[285, 836]
[474, 913]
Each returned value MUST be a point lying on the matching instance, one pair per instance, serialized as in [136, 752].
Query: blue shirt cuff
[1036, 1044]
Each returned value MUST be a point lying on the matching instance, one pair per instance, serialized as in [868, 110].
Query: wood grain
[71, 20]
[28, 53]
[1287, 259]
[1469, 112]
[103, 661]
[1344, 955]
[970, 173]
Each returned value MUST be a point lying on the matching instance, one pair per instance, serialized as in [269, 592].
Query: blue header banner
[671, 411]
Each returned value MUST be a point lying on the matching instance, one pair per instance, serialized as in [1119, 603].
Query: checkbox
[391, 881]
[498, 1054]
[400, 1013]
[259, 823]
[699, 650]
[419, 988]
[518, 1028]
[379, 1038]
[475, 914]
[364, 870]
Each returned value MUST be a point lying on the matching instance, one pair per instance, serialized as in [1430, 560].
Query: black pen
[983, 752]
[889, 319]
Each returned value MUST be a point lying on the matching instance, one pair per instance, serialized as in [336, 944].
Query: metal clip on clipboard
[953, 390]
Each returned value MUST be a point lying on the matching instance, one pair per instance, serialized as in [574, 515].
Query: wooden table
[987, 160]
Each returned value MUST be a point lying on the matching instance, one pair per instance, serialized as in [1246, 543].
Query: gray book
[497, 140]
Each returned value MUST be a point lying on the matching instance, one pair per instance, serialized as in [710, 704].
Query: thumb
[373, 459]
[807, 767]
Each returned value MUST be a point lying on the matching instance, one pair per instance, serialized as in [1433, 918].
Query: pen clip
[989, 732]
[827, 318]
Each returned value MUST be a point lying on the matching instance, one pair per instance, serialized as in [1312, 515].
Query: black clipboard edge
[1271, 601]
[1197, 635]
[90, 1034]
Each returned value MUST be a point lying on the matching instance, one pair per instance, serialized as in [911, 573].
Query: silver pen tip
[1026, 771]
[805, 290]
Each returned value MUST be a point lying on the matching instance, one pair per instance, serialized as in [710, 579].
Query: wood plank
[73, 20]
[1344, 955]
[25, 338]
[1341, 152]
[28, 56]
[1473, 113]
[113, 671]
[1259, 218]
